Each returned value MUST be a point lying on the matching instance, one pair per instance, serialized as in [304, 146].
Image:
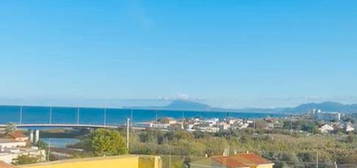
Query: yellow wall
[149, 162]
[127, 161]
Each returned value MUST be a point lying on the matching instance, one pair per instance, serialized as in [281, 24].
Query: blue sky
[234, 53]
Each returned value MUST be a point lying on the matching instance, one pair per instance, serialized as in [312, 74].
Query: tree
[106, 142]
[10, 127]
[42, 145]
[25, 159]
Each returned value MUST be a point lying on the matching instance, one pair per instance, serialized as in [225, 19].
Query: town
[22, 146]
[315, 120]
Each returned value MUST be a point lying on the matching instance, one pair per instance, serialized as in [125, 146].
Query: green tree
[106, 142]
[42, 145]
[10, 127]
[25, 159]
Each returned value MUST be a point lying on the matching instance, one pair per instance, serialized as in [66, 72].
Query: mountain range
[303, 108]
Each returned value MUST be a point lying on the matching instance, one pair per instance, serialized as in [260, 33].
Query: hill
[324, 106]
[303, 108]
[187, 105]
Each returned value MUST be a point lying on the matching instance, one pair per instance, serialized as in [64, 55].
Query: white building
[10, 144]
[224, 126]
[349, 127]
[326, 116]
[11, 148]
[326, 128]
[9, 155]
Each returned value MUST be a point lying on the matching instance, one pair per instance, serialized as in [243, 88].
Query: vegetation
[25, 159]
[295, 144]
[105, 142]
[10, 127]
[282, 147]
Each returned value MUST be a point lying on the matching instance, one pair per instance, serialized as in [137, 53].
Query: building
[18, 136]
[123, 161]
[10, 143]
[11, 148]
[326, 116]
[244, 160]
[325, 128]
[349, 127]
[10, 154]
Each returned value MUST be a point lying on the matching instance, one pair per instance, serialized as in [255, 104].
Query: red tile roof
[229, 162]
[241, 160]
[5, 165]
[17, 134]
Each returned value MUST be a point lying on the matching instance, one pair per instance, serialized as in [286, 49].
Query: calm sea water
[110, 116]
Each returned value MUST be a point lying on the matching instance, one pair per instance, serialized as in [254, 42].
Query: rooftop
[17, 134]
[241, 160]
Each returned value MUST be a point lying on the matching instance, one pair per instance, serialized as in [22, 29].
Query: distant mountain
[304, 108]
[187, 105]
[178, 105]
[325, 106]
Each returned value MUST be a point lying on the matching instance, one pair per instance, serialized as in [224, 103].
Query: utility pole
[50, 117]
[317, 159]
[131, 117]
[291, 125]
[127, 133]
[105, 116]
[49, 149]
[183, 120]
[77, 115]
[20, 115]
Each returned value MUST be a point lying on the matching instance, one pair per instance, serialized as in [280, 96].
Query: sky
[233, 53]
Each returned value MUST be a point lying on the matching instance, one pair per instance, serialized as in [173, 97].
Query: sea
[108, 116]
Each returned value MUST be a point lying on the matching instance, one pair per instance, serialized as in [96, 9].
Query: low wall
[124, 161]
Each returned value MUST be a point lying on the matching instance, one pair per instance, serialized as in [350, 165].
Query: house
[223, 126]
[325, 128]
[11, 148]
[18, 136]
[349, 127]
[8, 155]
[10, 143]
[243, 160]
